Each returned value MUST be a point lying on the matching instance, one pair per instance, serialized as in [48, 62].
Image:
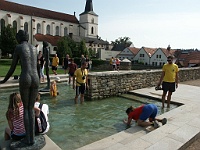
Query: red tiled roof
[150, 51]
[33, 11]
[133, 50]
[167, 52]
[194, 62]
[183, 56]
[190, 58]
[49, 38]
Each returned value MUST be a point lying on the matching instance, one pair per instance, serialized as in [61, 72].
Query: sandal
[164, 121]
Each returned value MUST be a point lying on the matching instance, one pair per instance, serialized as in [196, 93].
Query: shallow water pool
[73, 126]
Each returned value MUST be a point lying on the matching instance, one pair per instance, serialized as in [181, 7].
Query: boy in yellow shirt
[169, 79]
[81, 77]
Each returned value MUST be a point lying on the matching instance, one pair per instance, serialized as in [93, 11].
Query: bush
[5, 61]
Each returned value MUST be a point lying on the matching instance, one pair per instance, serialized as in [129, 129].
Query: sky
[148, 23]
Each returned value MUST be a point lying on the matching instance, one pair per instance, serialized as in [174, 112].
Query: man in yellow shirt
[169, 79]
[55, 63]
[81, 77]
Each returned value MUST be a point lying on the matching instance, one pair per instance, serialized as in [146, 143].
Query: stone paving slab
[178, 133]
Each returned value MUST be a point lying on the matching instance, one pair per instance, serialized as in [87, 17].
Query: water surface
[73, 126]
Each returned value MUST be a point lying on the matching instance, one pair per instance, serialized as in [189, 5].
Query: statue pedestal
[19, 145]
[46, 89]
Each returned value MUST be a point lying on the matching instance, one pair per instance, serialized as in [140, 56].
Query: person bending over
[142, 113]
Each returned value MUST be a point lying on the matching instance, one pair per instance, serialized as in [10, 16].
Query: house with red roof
[46, 25]
[159, 57]
[153, 56]
[128, 53]
[144, 55]
[188, 59]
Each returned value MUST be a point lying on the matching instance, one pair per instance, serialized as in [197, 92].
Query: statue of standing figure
[28, 82]
[46, 58]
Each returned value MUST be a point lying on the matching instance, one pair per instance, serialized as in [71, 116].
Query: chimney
[168, 48]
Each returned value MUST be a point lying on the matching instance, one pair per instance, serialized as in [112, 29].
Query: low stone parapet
[113, 83]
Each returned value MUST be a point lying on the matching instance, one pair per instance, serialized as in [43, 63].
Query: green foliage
[97, 62]
[64, 47]
[121, 42]
[82, 49]
[73, 47]
[92, 53]
[8, 40]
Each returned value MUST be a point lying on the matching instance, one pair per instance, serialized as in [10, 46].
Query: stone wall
[123, 66]
[113, 83]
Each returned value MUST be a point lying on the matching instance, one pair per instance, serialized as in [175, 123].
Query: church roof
[38, 12]
[49, 38]
[89, 8]
[54, 39]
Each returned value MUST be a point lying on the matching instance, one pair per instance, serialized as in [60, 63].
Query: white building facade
[45, 25]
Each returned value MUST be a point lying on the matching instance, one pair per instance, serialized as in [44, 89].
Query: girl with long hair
[15, 117]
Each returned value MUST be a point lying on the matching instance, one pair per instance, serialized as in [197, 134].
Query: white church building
[46, 25]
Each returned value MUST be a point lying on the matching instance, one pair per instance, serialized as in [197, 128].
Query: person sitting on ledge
[142, 113]
[15, 117]
[45, 110]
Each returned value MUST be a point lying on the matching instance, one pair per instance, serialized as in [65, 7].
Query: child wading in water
[15, 117]
[53, 90]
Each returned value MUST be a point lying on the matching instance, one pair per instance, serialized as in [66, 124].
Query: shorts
[65, 67]
[169, 86]
[54, 68]
[80, 89]
[149, 111]
[17, 137]
[71, 74]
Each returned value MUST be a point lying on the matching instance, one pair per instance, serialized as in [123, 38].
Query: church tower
[89, 21]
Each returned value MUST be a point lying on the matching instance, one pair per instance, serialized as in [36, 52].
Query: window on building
[26, 26]
[158, 56]
[57, 30]
[48, 29]
[2, 24]
[92, 21]
[65, 31]
[141, 55]
[38, 28]
[15, 26]
[92, 30]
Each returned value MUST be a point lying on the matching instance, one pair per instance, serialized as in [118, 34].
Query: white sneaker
[156, 124]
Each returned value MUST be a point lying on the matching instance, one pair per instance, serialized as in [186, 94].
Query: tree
[8, 40]
[82, 48]
[63, 47]
[73, 46]
[92, 53]
[121, 43]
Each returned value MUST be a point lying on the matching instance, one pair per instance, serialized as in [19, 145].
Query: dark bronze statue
[46, 57]
[28, 82]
